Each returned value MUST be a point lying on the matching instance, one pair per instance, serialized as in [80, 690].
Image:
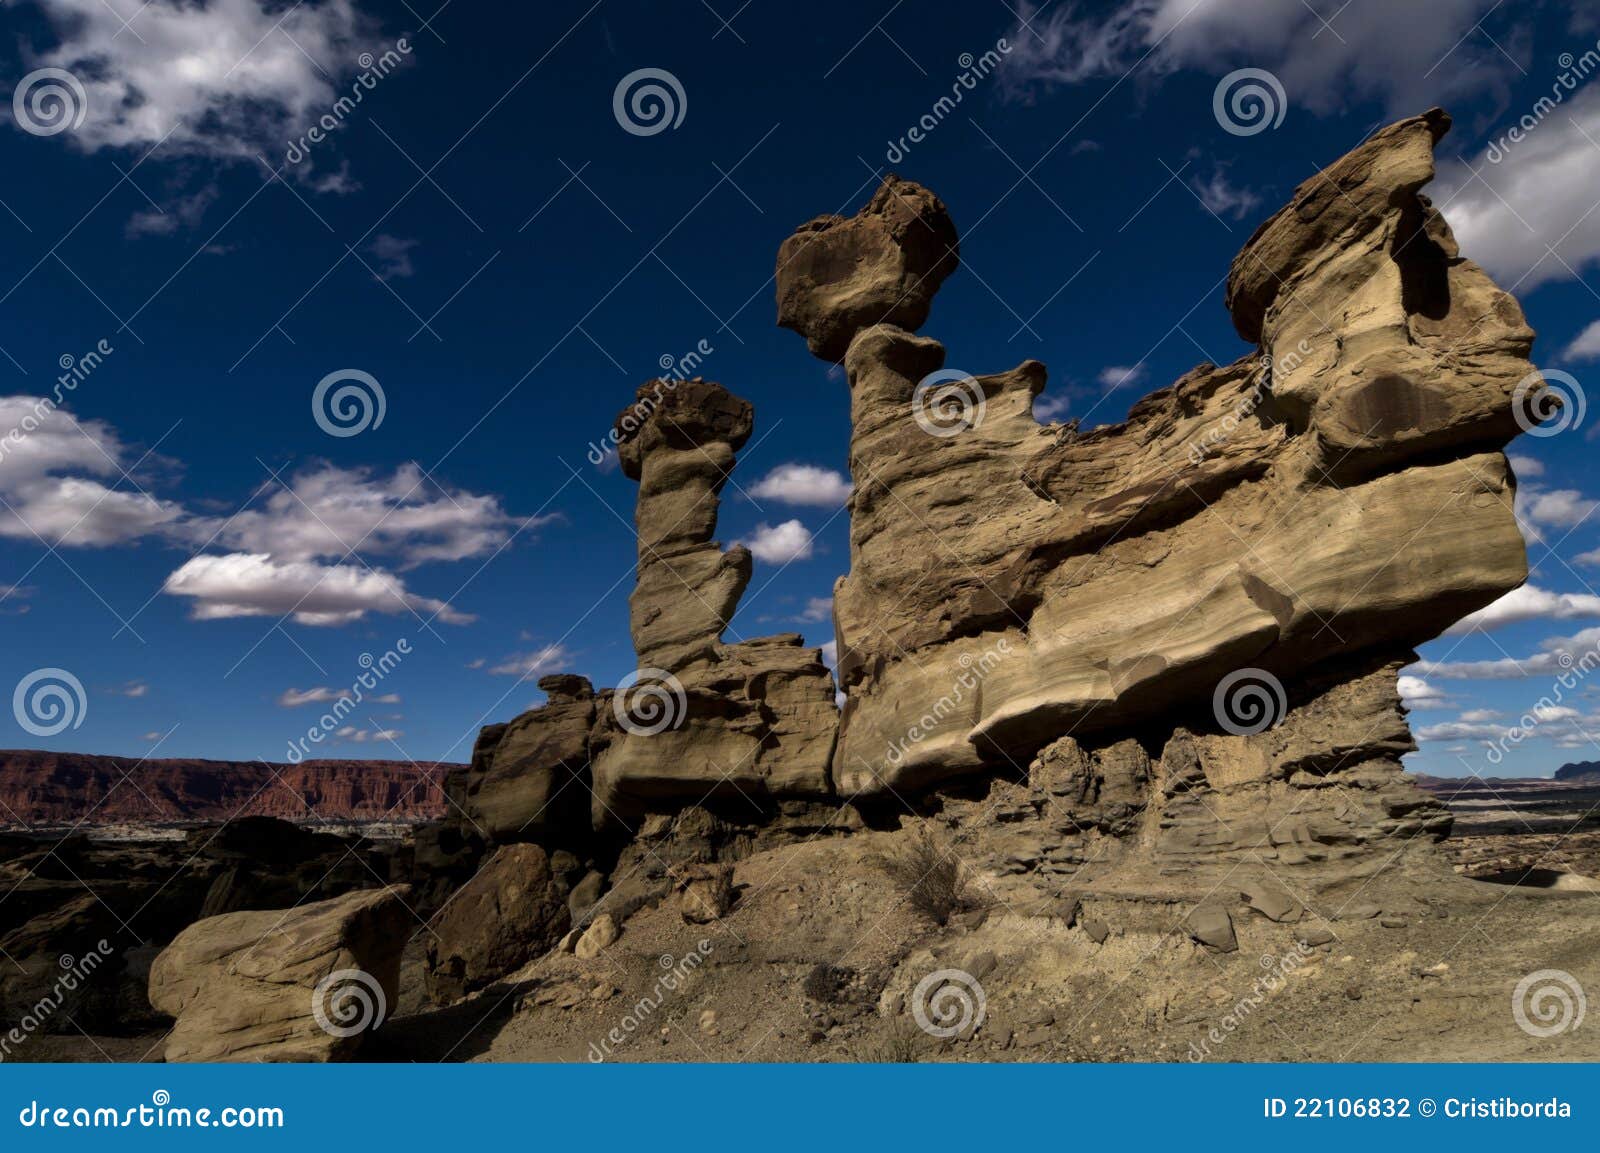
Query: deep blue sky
[558, 258]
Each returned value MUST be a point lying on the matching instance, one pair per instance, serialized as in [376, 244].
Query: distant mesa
[39, 788]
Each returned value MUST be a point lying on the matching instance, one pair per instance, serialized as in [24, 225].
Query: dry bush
[933, 879]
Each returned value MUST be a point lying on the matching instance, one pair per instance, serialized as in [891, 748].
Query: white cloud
[1525, 466]
[532, 664]
[1456, 731]
[362, 736]
[133, 690]
[1408, 55]
[1540, 194]
[780, 544]
[256, 585]
[818, 609]
[294, 698]
[38, 443]
[1555, 656]
[1526, 604]
[1563, 508]
[1479, 716]
[1223, 198]
[328, 511]
[1048, 408]
[393, 255]
[803, 484]
[187, 211]
[1586, 346]
[1417, 693]
[830, 653]
[1117, 375]
[228, 78]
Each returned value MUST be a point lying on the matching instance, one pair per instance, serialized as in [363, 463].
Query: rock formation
[1325, 503]
[513, 910]
[303, 984]
[1180, 632]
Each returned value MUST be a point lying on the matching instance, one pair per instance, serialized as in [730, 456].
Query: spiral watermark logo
[1547, 393]
[948, 1002]
[1249, 701]
[49, 701]
[1548, 1002]
[348, 402]
[648, 101]
[48, 101]
[1249, 101]
[649, 701]
[347, 1002]
[948, 402]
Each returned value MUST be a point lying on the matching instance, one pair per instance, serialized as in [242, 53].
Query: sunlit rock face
[1326, 502]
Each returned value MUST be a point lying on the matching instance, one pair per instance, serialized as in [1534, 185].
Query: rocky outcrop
[1330, 500]
[39, 788]
[303, 984]
[528, 779]
[513, 910]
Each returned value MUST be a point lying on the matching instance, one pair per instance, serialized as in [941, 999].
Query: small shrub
[933, 880]
[828, 984]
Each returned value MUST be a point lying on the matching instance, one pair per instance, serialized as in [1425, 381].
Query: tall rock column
[678, 441]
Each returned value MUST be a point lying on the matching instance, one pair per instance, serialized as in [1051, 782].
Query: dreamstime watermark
[75, 370]
[1249, 101]
[347, 1002]
[347, 402]
[49, 100]
[675, 974]
[331, 721]
[74, 973]
[949, 1003]
[1249, 701]
[973, 69]
[49, 701]
[948, 402]
[1273, 979]
[1548, 708]
[374, 69]
[1245, 407]
[649, 701]
[676, 370]
[973, 672]
[1548, 1002]
[1575, 70]
[648, 101]
[1546, 393]
[159, 1114]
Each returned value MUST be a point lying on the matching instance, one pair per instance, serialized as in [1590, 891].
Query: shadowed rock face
[1338, 496]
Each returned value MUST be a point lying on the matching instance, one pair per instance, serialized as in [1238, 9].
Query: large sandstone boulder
[511, 912]
[301, 984]
[839, 274]
[527, 779]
